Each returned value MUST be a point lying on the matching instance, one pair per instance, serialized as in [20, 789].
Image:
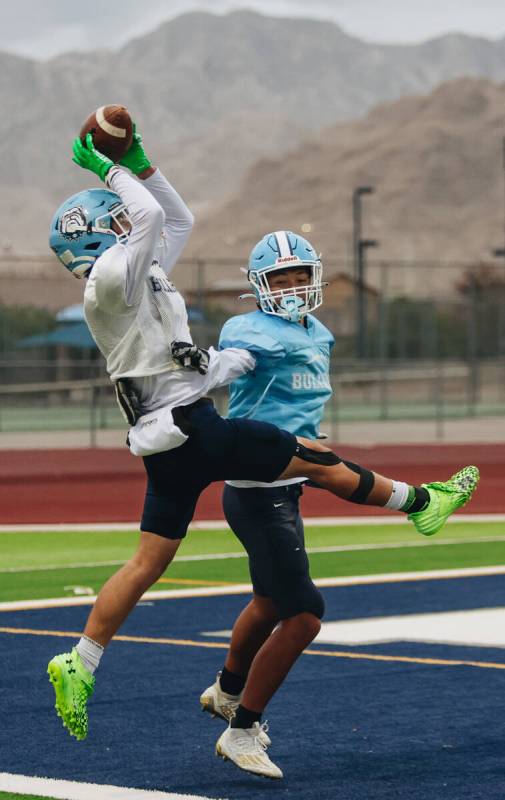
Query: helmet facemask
[118, 216]
[292, 303]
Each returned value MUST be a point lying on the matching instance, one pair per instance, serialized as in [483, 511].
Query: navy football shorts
[268, 523]
[217, 449]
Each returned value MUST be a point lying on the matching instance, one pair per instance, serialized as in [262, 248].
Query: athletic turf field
[389, 714]
[43, 564]
[9, 796]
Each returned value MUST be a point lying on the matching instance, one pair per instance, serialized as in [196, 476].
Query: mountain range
[242, 112]
[435, 163]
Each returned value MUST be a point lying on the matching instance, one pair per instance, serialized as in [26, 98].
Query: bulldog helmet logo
[73, 223]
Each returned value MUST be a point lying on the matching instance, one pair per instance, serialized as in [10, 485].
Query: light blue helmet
[81, 229]
[279, 251]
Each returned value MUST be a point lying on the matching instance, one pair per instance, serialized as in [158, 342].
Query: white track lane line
[246, 588]
[338, 548]
[216, 524]
[72, 790]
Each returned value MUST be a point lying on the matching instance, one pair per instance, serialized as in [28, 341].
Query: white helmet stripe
[283, 242]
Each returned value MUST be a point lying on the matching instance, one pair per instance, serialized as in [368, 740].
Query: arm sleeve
[178, 221]
[238, 333]
[147, 217]
[227, 365]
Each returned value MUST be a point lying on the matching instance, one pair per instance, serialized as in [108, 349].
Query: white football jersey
[134, 311]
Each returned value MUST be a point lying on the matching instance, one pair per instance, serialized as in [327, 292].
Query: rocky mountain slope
[435, 162]
[212, 94]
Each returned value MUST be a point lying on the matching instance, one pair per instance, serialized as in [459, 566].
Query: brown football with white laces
[112, 130]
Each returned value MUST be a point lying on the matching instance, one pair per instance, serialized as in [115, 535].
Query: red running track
[59, 486]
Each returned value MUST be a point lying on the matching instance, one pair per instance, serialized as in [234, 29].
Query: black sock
[417, 501]
[230, 682]
[245, 718]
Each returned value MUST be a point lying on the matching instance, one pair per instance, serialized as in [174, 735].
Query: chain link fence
[413, 341]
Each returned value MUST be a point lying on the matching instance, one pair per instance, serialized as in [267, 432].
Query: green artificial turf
[62, 563]
[9, 796]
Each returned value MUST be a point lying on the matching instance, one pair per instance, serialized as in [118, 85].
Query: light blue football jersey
[290, 383]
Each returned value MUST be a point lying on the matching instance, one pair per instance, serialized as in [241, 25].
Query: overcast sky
[43, 28]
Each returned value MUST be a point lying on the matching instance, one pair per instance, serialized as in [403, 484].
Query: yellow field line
[443, 662]
[119, 638]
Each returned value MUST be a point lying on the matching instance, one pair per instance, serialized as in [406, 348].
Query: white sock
[90, 653]
[399, 496]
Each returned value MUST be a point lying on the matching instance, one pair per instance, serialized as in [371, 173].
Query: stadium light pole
[499, 252]
[360, 246]
[364, 244]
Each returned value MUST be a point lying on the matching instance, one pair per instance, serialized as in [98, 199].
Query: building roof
[73, 334]
[72, 331]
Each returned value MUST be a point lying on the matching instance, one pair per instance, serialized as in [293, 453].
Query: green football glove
[135, 158]
[88, 158]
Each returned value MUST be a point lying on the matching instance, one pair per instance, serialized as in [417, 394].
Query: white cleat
[219, 704]
[261, 732]
[244, 748]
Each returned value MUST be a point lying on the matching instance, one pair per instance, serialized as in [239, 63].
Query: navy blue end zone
[341, 728]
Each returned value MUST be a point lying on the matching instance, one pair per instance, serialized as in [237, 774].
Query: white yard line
[72, 790]
[216, 524]
[246, 588]
[48, 567]
[338, 548]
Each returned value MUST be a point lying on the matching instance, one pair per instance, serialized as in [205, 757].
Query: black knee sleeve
[326, 458]
[365, 485]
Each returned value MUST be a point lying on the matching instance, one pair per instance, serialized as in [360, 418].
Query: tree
[16, 322]
[483, 287]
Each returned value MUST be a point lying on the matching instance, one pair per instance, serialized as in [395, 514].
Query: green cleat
[445, 498]
[73, 684]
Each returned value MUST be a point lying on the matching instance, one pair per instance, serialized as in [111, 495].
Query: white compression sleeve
[178, 218]
[147, 217]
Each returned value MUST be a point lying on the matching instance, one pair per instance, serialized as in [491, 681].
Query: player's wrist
[104, 170]
[109, 175]
[146, 173]
[138, 162]
[136, 158]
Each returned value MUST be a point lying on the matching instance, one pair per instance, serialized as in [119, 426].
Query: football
[112, 130]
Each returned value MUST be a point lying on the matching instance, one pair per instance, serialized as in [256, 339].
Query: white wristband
[113, 171]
